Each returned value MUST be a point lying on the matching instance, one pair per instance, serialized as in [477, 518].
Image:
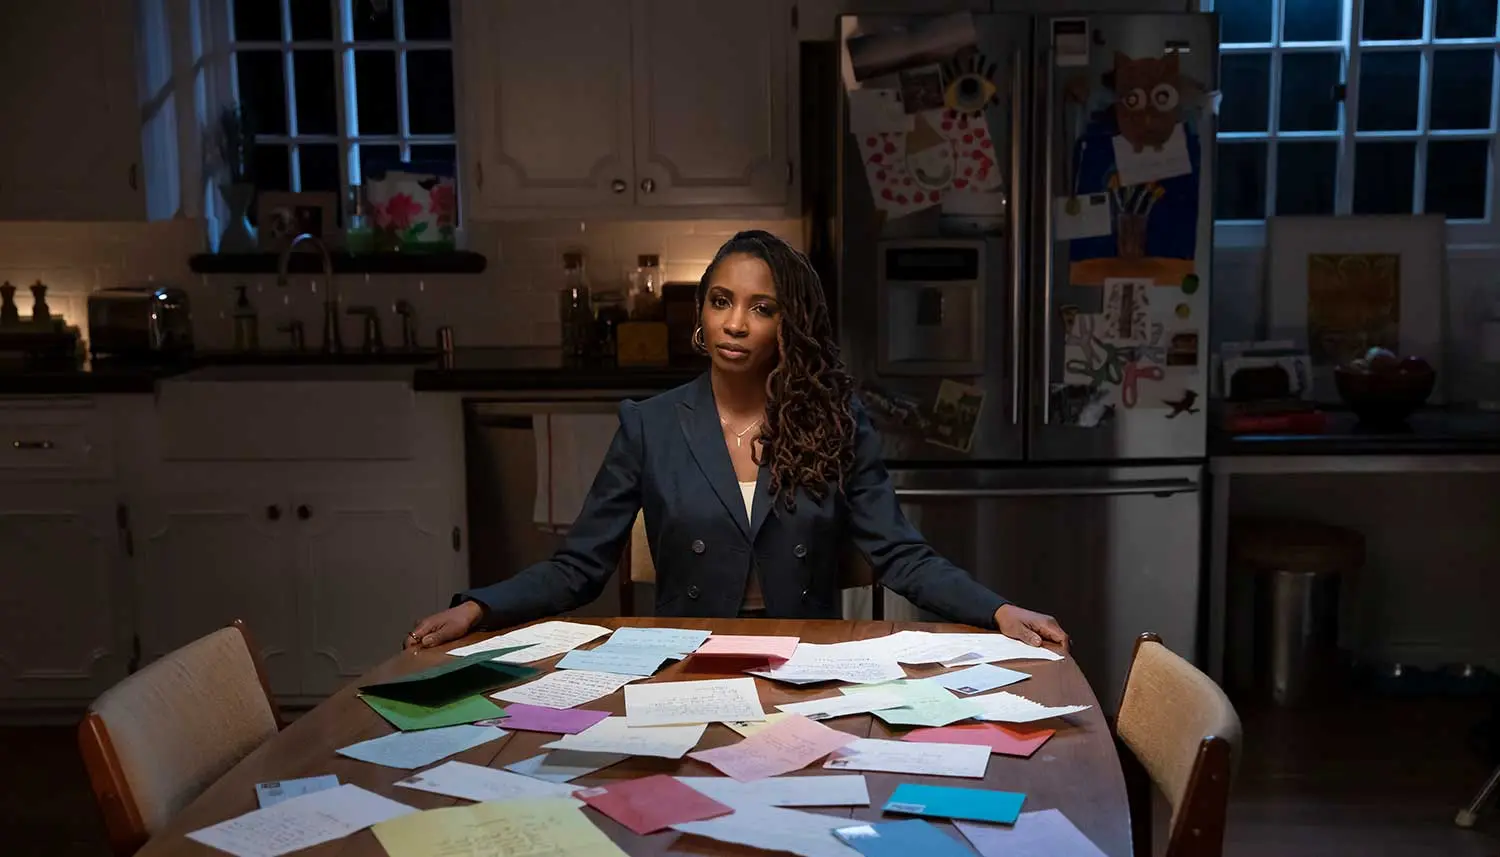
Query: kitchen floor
[1369, 776]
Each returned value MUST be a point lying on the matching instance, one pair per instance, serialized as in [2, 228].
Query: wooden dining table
[1077, 771]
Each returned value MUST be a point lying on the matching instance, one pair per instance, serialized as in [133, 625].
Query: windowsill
[443, 262]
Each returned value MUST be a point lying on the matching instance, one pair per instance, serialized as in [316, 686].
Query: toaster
[140, 322]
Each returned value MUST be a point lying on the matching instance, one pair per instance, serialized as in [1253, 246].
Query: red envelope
[1009, 740]
[653, 803]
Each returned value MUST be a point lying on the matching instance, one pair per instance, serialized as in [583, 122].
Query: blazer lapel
[700, 425]
[760, 507]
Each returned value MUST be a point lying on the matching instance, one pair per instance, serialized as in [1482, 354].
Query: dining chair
[1177, 730]
[636, 566]
[153, 742]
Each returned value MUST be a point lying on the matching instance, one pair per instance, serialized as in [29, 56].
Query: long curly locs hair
[809, 426]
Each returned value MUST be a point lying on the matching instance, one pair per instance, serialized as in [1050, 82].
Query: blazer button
[804, 594]
[692, 592]
[698, 546]
[799, 551]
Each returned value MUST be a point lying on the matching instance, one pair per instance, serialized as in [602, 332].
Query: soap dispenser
[246, 324]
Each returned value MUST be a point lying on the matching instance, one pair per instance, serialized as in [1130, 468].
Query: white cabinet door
[547, 87]
[71, 144]
[64, 617]
[206, 559]
[370, 564]
[711, 102]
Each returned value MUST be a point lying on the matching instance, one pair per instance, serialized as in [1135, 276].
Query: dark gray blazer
[668, 458]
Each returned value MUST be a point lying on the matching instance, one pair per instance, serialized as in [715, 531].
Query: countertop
[1432, 431]
[477, 370]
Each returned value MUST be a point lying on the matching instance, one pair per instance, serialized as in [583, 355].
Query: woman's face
[741, 315]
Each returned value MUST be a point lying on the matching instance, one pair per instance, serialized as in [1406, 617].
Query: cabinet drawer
[48, 439]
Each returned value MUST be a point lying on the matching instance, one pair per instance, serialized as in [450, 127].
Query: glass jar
[609, 312]
[644, 300]
[575, 309]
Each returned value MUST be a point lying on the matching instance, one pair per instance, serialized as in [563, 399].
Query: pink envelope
[732, 646]
[649, 804]
[1009, 740]
[793, 742]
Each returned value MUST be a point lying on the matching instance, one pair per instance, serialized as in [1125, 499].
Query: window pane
[438, 157]
[1465, 19]
[1390, 20]
[375, 91]
[1458, 172]
[372, 25]
[312, 20]
[257, 20]
[317, 110]
[429, 88]
[1244, 20]
[1313, 21]
[273, 168]
[263, 89]
[1240, 182]
[1460, 93]
[1245, 80]
[1388, 90]
[1305, 174]
[427, 19]
[375, 159]
[320, 166]
[1307, 84]
[1383, 176]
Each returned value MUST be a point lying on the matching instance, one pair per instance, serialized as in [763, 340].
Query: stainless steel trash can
[1298, 569]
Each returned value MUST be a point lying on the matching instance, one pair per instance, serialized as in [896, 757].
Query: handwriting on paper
[565, 688]
[673, 703]
[793, 743]
[614, 735]
[301, 823]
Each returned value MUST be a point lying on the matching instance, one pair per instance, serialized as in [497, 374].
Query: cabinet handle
[648, 185]
[32, 444]
[458, 539]
[618, 185]
[273, 513]
[133, 183]
[303, 513]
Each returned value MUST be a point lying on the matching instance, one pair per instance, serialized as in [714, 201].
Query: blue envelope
[901, 839]
[950, 802]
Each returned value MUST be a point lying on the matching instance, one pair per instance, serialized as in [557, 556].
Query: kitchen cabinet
[627, 108]
[64, 618]
[71, 149]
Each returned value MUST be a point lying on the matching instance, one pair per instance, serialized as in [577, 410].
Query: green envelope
[451, 682]
[409, 718]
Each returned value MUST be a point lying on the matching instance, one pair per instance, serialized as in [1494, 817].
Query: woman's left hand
[1028, 626]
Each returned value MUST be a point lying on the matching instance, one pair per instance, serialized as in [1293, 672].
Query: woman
[750, 476]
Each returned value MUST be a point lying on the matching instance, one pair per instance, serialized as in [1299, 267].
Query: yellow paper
[515, 828]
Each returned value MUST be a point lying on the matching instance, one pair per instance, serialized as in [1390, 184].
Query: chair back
[1178, 727]
[155, 741]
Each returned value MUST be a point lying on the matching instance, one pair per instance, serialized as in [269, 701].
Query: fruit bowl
[1383, 390]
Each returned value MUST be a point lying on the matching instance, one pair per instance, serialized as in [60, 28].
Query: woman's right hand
[444, 627]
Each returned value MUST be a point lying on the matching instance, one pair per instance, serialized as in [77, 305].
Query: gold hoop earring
[698, 343]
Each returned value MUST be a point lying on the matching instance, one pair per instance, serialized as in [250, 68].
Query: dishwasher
[500, 460]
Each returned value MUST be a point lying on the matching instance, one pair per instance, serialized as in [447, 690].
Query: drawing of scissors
[1135, 371]
[1107, 368]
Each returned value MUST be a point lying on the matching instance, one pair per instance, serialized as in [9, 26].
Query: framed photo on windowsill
[1339, 286]
[283, 215]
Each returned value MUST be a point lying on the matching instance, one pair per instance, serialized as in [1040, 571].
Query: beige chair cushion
[182, 722]
[1168, 709]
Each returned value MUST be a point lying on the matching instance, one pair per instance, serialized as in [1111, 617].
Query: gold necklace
[739, 437]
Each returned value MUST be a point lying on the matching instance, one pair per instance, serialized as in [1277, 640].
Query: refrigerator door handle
[1152, 487]
[1045, 207]
[1018, 205]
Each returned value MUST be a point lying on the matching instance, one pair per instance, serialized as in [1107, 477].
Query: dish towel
[569, 450]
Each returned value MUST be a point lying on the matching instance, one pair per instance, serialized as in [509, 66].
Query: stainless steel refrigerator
[1023, 239]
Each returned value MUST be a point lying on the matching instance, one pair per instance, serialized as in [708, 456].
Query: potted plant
[233, 147]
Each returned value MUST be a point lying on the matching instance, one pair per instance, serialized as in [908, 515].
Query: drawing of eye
[1135, 99]
[1164, 96]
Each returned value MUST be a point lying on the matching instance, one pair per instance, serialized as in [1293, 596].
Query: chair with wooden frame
[154, 741]
[1176, 729]
[636, 566]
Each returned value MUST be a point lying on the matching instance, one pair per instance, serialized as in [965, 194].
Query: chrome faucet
[333, 340]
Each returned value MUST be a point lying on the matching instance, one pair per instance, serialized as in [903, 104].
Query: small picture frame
[283, 215]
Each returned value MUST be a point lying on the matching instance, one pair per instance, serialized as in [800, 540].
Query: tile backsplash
[512, 303]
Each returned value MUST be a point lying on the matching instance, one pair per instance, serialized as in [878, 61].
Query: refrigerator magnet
[955, 415]
[1070, 42]
[1086, 216]
[1182, 404]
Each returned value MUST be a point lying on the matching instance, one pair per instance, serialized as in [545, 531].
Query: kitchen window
[1357, 107]
[336, 87]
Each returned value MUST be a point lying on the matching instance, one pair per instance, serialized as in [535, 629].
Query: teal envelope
[450, 682]
[951, 802]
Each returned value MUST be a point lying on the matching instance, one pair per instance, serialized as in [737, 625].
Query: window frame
[343, 47]
[1483, 233]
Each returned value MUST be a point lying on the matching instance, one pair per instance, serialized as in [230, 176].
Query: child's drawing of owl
[1146, 99]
